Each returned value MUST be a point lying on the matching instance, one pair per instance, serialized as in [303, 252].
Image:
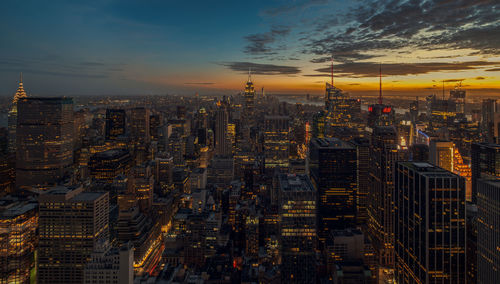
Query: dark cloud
[262, 43]
[480, 78]
[371, 69]
[453, 80]
[493, 69]
[261, 69]
[199, 83]
[392, 25]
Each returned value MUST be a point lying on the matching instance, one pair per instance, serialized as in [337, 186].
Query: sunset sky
[115, 47]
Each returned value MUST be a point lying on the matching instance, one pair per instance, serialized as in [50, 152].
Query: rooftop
[332, 143]
[291, 182]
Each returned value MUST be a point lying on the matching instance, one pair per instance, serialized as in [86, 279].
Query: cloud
[259, 44]
[393, 25]
[480, 78]
[493, 69]
[199, 83]
[371, 69]
[261, 69]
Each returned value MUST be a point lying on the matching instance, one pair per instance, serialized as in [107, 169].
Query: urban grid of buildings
[249, 189]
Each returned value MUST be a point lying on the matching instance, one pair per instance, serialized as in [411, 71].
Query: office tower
[44, 141]
[72, 224]
[139, 126]
[18, 240]
[163, 174]
[249, 96]
[142, 184]
[441, 154]
[471, 244]
[333, 171]
[252, 236]
[12, 118]
[488, 231]
[484, 164]
[116, 123]
[380, 115]
[106, 166]
[383, 154]
[276, 142]
[362, 177]
[145, 235]
[488, 109]
[297, 210]
[457, 95]
[110, 265]
[155, 122]
[429, 225]
[222, 143]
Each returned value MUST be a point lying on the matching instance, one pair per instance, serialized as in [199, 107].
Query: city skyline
[132, 48]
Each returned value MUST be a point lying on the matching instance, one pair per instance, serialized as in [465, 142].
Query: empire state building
[20, 94]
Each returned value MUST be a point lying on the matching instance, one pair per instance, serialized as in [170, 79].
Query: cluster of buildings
[249, 189]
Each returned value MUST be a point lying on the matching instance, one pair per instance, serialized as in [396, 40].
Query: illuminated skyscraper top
[20, 91]
[249, 96]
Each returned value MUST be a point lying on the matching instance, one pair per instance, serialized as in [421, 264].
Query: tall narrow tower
[12, 122]
[249, 96]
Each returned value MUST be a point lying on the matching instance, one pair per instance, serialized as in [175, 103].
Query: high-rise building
[297, 210]
[276, 142]
[485, 164]
[380, 115]
[116, 123]
[441, 154]
[488, 231]
[333, 171]
[110, 265]
[249, 98]
[362, 176]
[488, 109]
[71, 225]
[44, 141]
[139, 125]
[18, 240]
[142, 183]
[106, 166]
[383, 155]
[429, 225]
[222, 143]
[12, 119]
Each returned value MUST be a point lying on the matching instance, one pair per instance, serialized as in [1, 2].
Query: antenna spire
[331, 72]
[380, 85]
[21, 77]
[249, 74]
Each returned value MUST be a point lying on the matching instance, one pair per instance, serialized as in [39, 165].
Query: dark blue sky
[144, 47]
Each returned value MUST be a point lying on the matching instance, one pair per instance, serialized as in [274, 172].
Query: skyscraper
[276, 142]
[115, 123]
[222, 142]
[297, 210]
[485, 164]
[18, 240]
[429, 225]
[383, 154]
[249, 98]
[139, 125]
[44, 140]
[72, 224]
[333, 164]
[12, 120]
[363, 167]
[441, 154]
[488, 235]
[488, 109]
